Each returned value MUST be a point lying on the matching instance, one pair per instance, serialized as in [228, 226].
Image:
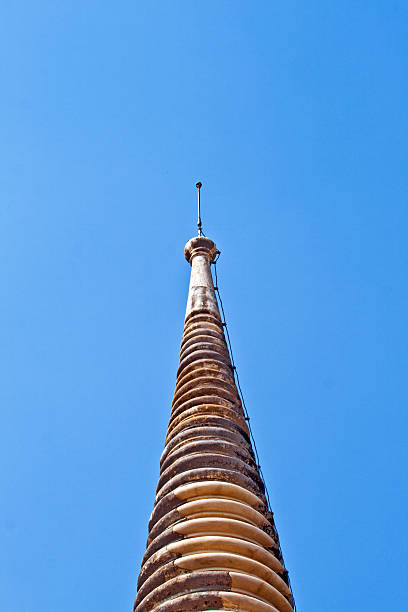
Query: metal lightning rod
[199, 224]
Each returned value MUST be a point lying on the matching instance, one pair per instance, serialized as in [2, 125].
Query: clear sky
[294, 116]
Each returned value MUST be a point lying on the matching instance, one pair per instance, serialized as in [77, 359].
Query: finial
[199, 225]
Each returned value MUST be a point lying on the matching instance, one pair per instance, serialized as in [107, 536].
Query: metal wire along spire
[247, 417]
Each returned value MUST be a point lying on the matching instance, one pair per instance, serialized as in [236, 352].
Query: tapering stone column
[212, 542]
[200, 253]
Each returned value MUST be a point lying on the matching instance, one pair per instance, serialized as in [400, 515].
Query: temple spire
[212, 541]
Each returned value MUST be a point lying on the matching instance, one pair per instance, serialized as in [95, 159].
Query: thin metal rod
[199, 224]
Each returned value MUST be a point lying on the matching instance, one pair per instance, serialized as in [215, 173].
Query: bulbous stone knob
[200, 245]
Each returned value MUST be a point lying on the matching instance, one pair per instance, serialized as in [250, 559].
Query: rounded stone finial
[200, 245]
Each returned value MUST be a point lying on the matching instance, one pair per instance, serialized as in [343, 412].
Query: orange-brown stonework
[212, 541]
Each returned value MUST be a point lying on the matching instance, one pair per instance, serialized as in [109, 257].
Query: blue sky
[294, 115]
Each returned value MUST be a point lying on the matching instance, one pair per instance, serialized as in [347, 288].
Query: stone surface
[212, 542]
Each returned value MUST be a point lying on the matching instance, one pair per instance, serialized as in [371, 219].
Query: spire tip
[199, 224]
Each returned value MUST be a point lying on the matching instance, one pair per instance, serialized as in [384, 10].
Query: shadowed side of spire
[212, 543]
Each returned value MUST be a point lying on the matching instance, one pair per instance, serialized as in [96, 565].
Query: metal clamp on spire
[199, 224]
